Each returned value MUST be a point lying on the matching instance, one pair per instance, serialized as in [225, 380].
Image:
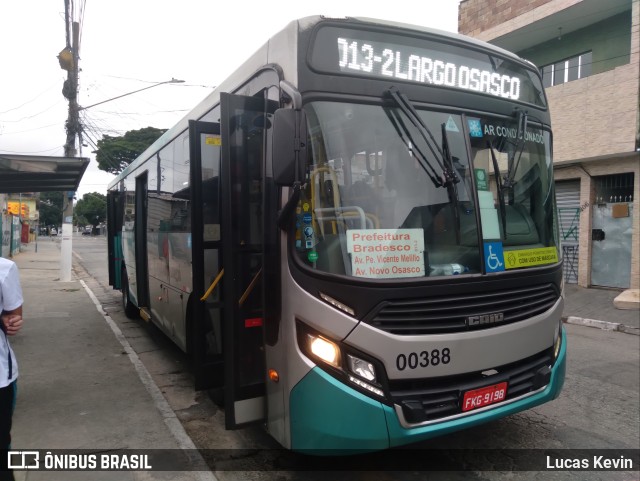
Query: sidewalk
[594, 307]
[80, 386]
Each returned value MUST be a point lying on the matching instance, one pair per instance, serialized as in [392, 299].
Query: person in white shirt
[11, 316]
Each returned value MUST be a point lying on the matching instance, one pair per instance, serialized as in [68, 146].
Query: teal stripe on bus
[329, 417]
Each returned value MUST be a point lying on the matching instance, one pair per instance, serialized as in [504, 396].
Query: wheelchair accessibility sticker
[493, 256]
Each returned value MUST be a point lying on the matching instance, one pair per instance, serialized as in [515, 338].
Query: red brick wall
[475, 16]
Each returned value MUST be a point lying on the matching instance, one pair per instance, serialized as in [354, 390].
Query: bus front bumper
[329, 417]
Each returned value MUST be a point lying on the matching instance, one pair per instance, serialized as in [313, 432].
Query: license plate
[484, 396]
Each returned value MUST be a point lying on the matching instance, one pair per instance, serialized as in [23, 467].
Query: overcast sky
[130, 44]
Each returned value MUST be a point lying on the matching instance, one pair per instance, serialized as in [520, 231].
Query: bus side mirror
[289, 152]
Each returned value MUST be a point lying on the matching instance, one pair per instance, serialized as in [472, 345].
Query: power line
[57, 124]
[31, 152]
[29, 117]
[33, 99]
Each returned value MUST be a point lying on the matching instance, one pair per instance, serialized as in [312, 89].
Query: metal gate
[611, 245]
[568, 200]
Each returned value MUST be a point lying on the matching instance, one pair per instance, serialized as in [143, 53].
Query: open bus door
[206, 258]
[115, 210]
[243, 128]
[140, 236]
[227, 179]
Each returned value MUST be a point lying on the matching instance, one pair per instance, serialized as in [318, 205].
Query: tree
[50, 208]
[114, 154]
[91, 209]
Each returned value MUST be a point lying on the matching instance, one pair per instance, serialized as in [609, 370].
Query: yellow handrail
[212, 286]
[249, 288]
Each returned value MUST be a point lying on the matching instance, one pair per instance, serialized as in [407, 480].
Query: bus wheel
[130, 310]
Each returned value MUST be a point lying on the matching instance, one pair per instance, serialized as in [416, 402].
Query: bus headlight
[341, 361]
[324, 349]
[362, 368]
[366, 374]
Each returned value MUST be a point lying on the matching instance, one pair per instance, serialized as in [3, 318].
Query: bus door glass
[115, 208]
[140, 235]
[206, 254]
[244, 124]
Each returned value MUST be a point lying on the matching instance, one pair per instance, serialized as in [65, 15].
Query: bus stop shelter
[36, 173]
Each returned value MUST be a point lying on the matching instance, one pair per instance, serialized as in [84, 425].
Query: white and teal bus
[355, 236]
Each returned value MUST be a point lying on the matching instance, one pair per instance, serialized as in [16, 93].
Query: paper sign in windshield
[386, 253]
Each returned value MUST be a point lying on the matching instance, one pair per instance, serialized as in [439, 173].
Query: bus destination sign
[394, 61]
[423, 61]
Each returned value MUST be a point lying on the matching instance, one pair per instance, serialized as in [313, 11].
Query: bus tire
[130, 309]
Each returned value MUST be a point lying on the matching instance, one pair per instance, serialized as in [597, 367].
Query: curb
[604, 325]
[202, 472]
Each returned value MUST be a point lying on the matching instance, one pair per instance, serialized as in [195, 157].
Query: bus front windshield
[389, 197]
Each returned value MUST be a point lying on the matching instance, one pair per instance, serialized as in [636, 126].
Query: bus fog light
[324, 350]
[362, 368]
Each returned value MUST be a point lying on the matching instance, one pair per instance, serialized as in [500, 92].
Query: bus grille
[424, 400]
[444, 314]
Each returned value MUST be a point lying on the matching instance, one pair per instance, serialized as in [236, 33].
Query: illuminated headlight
[324, 349]
[350, 367]
[557, 343]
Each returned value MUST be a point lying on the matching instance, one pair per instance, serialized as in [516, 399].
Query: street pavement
[82, 387]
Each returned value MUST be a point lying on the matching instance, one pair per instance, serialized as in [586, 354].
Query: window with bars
[566, 70]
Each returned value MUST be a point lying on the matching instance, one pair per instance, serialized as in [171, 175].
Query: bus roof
[281, 49]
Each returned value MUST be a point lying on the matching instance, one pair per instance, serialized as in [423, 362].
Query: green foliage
[91, 209]
[50, 208]
[114, 154]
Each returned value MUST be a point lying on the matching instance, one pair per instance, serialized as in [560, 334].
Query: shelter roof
[36, 173]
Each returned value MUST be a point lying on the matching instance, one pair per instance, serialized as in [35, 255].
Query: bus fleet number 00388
[414, 360]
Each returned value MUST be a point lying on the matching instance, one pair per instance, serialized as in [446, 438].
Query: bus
[354, 236]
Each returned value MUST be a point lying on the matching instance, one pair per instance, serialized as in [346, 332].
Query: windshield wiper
[449, 176]
[507, 183]
[509, 179]
[451, 187]
[500, 190]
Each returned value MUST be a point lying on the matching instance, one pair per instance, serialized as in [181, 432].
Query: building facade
[10, 229]
[589, 54]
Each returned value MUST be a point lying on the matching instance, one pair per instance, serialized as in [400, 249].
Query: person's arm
[12, 296]
[12, 321]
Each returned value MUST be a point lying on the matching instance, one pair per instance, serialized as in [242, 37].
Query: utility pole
[70, 91]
